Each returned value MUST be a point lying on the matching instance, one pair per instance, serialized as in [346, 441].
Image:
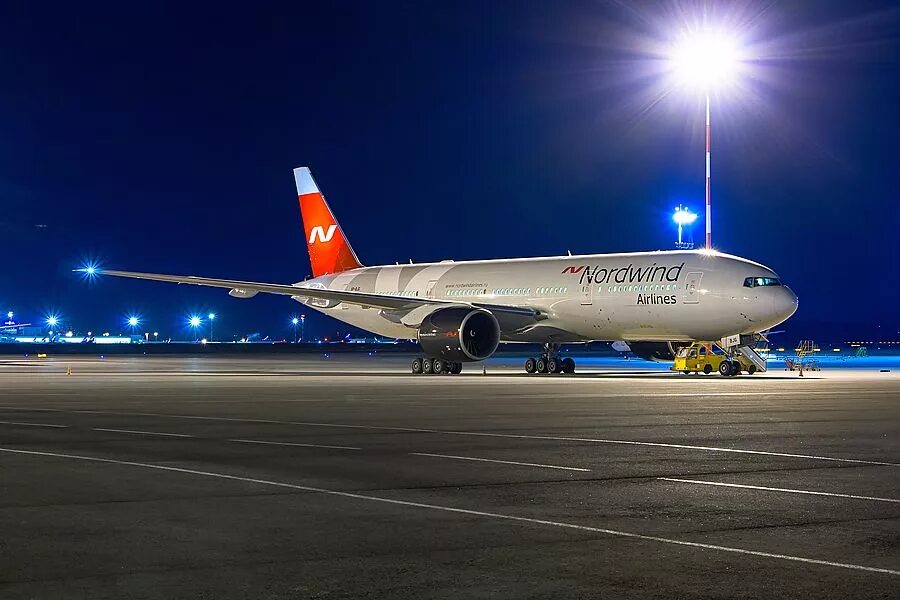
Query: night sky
[162, 137]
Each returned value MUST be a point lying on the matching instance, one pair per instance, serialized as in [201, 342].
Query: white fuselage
[642, 296]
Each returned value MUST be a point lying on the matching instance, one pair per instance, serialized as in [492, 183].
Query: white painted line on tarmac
[181, 435]
[488, 434]
[464, 511]
[33, 424]
[775, 489]
[505, 462]
[295, 444]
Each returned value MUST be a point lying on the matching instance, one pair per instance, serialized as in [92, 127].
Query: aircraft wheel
[456, 368]
[417, 366]
[426, 366]
[530, 365]
[725, 368]
[553, 366]
[707, 369]
[735, 368]
[568, 365]
[751, 369]
[541, 365]
[437, 366]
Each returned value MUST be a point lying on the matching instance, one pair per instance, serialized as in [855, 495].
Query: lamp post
[706, 60]
[133, 322]
[294, 322]
[194, 322]
[302, 326]
[212, 317]
[682, 217]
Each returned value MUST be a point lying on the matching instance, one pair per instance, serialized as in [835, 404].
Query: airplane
[460, 312]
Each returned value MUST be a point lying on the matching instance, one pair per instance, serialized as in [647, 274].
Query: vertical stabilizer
[329, 250]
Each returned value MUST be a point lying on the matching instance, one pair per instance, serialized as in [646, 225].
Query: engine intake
[459, 334]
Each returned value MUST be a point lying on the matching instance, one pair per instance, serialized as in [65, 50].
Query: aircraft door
[692, 288]
[429, 289]
[587, 294]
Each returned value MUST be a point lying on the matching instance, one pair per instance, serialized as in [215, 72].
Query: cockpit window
[752, 282]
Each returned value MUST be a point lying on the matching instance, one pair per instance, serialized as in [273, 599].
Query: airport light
[52, 320]
[302, 327]
[683, 217]
[706, 60]
[9, 315]
[194, 321]
[295, 321]
[212, 317]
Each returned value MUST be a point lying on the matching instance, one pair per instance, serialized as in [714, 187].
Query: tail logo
[318, 233]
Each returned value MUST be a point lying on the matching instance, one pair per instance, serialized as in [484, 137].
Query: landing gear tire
[751, 369]
[568, 365]
[530, 365]
[426, 366]
[553, 366]
[417, 366]
[541, 365]
[725, 368]
[735, 368]
[437, 366]
[707, 369]
[455, 368]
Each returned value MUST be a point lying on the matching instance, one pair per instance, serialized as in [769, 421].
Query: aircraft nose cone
[785, 303]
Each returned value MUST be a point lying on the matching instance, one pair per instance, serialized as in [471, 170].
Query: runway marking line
[295, 444]
[505, 462]
[33, 424]
[465, 511]
[180, 435]
[775, 489]
[479, 433]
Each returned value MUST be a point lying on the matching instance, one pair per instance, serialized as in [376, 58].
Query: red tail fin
[329, 250]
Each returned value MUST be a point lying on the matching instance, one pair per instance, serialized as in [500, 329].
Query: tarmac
[348, 477]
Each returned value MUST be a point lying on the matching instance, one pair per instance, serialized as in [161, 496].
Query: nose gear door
[692, 288]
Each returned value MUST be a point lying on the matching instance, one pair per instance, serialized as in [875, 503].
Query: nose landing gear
[436, 366]
[550, 362]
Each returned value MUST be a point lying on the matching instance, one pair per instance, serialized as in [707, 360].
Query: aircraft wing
[515, 316]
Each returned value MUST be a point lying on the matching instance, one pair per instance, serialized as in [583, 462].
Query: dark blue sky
[162, 138]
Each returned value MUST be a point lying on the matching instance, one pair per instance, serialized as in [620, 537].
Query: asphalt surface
[348, 478]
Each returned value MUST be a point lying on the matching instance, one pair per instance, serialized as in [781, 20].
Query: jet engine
[459, 334]
[656, 351]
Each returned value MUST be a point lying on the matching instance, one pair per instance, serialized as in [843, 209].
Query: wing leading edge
[358, 298]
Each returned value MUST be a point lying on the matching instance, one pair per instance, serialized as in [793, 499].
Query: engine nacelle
[459, 334]
[656, 351]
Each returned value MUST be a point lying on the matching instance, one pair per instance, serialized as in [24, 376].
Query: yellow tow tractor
[702, 357]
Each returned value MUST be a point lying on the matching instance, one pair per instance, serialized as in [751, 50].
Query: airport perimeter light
[295, 321]
[212, 317]
[706, 60]
[52, 320]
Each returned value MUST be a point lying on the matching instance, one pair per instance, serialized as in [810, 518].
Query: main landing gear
[550, 362]
[435, 366]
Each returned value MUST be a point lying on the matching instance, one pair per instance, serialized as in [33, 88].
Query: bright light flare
[133, 321]
[89, 270]
[706, 59]
[212, 316]
[295, 320]
[52, 320]
[683, 216]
